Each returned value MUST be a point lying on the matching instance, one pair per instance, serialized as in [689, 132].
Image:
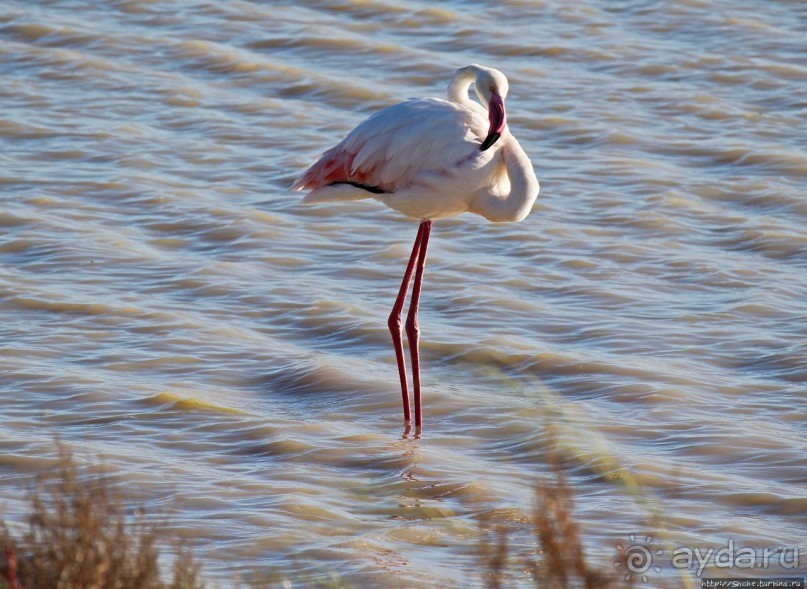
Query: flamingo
[430, 158]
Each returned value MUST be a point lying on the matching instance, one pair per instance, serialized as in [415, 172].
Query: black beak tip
[489, 140]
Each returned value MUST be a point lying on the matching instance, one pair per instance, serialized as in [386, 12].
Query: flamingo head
[491, 86]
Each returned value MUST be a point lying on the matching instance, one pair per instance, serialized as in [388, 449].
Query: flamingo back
[392, 147]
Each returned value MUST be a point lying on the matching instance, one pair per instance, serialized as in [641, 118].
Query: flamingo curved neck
[514, 202]
[462, 80]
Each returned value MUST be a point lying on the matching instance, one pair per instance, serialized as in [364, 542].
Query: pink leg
[412, 328]
[394, 322]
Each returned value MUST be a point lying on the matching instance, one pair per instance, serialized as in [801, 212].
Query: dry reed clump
[80, 536]
[563, 562]
[558, 560]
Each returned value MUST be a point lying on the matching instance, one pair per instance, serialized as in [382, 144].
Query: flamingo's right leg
[395, 324]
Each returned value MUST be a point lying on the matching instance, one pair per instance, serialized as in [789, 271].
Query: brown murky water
[166, 302]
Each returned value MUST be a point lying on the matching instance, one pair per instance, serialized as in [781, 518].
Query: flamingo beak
[497, 119]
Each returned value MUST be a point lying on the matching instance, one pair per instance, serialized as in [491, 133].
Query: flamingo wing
[391, 148]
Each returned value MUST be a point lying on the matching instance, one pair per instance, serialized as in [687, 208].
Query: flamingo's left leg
[412, 327]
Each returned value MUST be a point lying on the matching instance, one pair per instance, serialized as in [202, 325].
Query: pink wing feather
[335, 165]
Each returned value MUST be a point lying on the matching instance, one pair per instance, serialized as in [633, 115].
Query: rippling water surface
[166, 302]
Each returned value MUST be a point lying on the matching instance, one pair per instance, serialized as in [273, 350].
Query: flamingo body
[430, 158]
[423, 154]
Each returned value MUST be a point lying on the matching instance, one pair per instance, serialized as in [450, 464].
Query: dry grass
[563, 563]
[557, 560]
[80, 536]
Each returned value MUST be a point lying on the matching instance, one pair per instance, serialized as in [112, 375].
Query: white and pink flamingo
[430, 158]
